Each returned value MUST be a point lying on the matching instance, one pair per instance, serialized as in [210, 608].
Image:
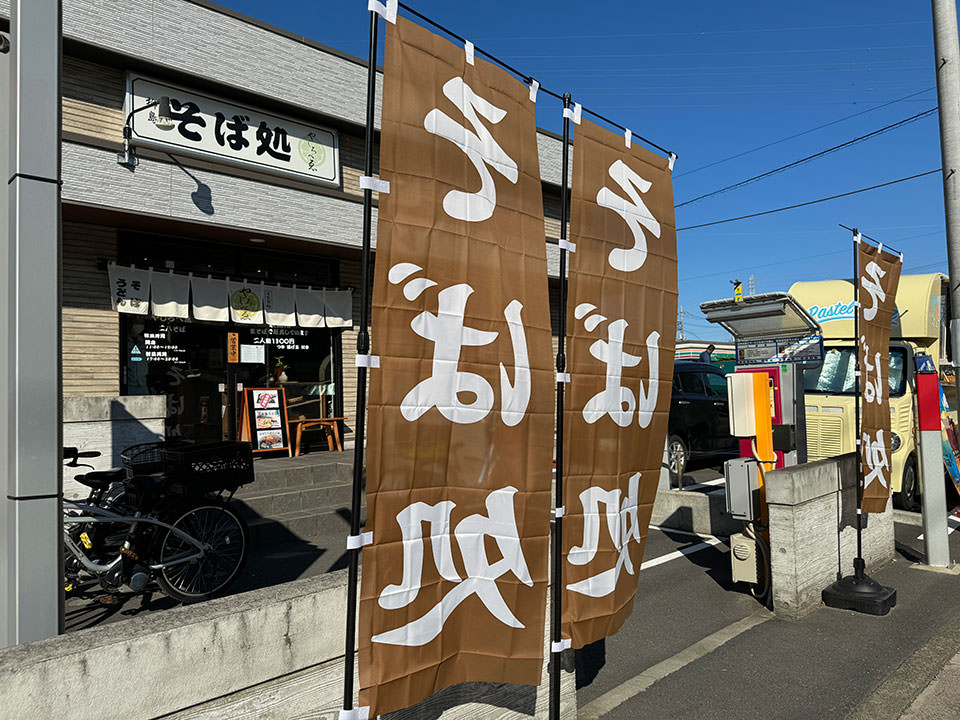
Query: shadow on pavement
[287, 557]
[588, 661]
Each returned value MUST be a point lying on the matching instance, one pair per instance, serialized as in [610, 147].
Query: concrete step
[330, 526]
[320, 497]
[273, 474]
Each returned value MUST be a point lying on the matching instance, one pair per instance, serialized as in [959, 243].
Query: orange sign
[233, 347]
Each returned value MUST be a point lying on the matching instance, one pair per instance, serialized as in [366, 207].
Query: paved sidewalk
[941, 699]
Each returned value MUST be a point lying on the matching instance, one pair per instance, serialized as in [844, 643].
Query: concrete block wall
[812, 535]
[109, 425]
[270, 653]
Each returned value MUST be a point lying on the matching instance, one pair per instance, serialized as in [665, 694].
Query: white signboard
[253, 354]
[212, 128]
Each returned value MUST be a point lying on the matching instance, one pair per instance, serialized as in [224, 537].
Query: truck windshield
[836, 375]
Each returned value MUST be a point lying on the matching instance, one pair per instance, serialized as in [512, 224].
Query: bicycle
[160, 520]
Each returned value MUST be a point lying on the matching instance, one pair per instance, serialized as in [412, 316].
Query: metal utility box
[743, 558]
[742, 488]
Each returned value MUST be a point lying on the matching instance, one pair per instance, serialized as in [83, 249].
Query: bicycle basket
[143, 459]
[210, 467]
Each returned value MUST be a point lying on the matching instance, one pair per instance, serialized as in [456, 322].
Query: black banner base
[861, 594]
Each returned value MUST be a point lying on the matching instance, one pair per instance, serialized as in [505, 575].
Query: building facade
[213, 203]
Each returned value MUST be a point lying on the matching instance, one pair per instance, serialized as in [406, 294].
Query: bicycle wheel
[226, 540]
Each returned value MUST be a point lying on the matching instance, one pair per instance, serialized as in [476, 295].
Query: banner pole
[859, 591]
[363, 348]
[557, 549]
[858, 564]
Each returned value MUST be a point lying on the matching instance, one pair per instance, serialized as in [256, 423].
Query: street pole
[947, 58]
[31, 591]
[935, 533]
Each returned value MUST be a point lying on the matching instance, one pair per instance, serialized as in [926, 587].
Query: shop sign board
[212, 128]
[233, 347]
[253, 354]
[621, 325]
[264, 414]
[461, 405]
[878, 278]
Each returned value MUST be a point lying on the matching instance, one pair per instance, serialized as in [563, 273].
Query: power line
[696, 33]
[790, 51]
[808, 158]
[810, 202]
[801, 134]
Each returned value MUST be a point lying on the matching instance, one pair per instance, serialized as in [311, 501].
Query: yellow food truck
[918, 327]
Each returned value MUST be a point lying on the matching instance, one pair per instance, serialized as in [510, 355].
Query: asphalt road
[698, 647]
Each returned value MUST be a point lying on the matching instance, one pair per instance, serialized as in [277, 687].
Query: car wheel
[909, 496]
[677, 457]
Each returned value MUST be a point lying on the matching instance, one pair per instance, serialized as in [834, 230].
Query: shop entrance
[186, 361]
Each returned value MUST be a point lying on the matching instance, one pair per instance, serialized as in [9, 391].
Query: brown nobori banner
[878, 276]
[622, 329]
[461, 407]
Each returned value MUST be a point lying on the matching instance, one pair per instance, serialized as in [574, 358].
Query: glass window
[716, 384]
[836, 376]
[691, 383]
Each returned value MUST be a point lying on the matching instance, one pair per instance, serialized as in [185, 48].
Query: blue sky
[711, 80]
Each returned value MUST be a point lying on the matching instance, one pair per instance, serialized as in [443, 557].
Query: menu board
[264, 415]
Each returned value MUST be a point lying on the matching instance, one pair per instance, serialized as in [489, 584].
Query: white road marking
[674, 531]
[705, 484]
[653, 562]
[952, 524]
[639, 683]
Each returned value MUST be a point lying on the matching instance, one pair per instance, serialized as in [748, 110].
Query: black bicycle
[162, 519]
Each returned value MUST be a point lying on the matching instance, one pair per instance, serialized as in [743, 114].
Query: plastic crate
[209, 467]
[143, 459]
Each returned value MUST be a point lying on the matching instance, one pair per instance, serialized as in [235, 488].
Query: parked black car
[699, 426]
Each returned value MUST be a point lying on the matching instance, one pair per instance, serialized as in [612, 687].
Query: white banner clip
[355, 542]
[859, 511]
[856, 237]
[573, 113]
[566, 245]
[468, 50]
[564, 644]
[388, 12]
[563, 377]
[560, 511]
[534, 89]
[627, 137]
[670, 161]
[368, 361]
[376, 184]
[357, 713]
[880, 248]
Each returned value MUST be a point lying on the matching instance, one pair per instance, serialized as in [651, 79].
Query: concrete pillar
[31, 591]
[813, 532]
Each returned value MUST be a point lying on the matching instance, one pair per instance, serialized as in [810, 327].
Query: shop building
[252, 192]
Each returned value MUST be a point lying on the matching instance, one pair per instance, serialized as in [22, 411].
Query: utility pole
[947, 59]
[682, 336]
[752, 286]
[31, 529]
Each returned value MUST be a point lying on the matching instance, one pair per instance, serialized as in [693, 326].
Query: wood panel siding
[91, 329]
[92, 100]
[351, 162]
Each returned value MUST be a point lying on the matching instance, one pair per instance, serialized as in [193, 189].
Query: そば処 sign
[212, 128]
